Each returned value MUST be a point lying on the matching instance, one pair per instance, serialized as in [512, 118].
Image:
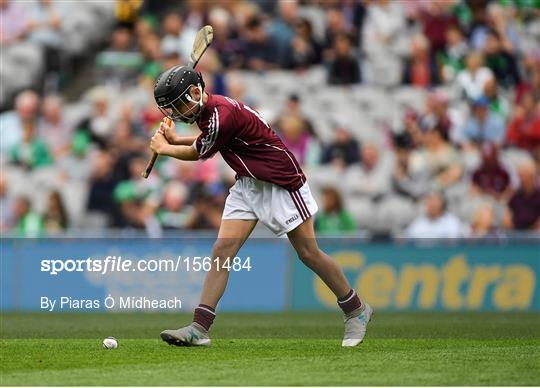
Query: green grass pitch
[272, 349]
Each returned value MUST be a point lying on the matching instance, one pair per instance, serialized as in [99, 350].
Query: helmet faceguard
[173, 109]
[172, 94]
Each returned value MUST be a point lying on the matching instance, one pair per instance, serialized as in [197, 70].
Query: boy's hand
[158, 142]
[170, 132]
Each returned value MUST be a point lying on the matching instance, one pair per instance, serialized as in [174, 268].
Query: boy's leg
[304, 242]
[357, 314]
[232, 235]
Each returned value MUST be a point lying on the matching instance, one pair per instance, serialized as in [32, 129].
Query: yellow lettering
[426, 277]
[376, 284]
[454, 273]
[482, 276]
[516, 288]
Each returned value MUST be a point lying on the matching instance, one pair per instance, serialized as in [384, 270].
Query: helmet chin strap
[199, 103]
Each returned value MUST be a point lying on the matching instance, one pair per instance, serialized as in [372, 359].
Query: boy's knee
[309, 254]
[226, 247]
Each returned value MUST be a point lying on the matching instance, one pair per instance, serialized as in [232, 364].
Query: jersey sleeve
[218, 133]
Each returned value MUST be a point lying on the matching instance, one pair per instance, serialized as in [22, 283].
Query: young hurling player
[270, 188]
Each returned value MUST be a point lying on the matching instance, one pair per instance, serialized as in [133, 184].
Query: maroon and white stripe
[300, 204]
[204, 315]
[213, 131]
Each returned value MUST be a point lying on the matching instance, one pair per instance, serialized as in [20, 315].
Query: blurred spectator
[195, 14]
[500, 21]
[128, 114]
[478, 27]
[491, 177]
[437, 159]
[177, 36]
[293, 107]
[281, 28]
[420, 70]
[120, 63]
[172, 212]
[531, 83]
[372, 177]
[137, 198]
[99, 125]
[384, 22]
[151, 51]
[474, 77]
[333, 217]
[53, 128]
[150, 117]
[451, 59]
[28, 223]
[55, 218]
[436, 20]
[15, 22]
[206, 213]
[303, 50]
[46, 29]
[144, 26]
[436, 113]
[259, 50]
[26, 109]
[498, 105]
[437, 221]
[343, 151]
[524, 206]
[354, 13]
[501, 62]
[335, 25]
[525, 9]
[241, 12]
[102, 182]
[406, 181]
[483, 222]
[124, 141]
[524, 128]
[226, 42]
[412, 132]
[236, 88]
[31, 152]
[344, 68]
[298, 140]
[7, 204]
[483, 125]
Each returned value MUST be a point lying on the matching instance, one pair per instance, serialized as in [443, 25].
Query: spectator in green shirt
[451, 60]
[498, 104]
[27, 222]
[31, 152]
[334, 218]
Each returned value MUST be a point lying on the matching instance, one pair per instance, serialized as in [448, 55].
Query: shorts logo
[292, 219]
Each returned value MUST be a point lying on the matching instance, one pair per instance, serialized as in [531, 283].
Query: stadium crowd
[410, 118]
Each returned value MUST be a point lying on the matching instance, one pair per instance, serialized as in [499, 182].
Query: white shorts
[280, 210]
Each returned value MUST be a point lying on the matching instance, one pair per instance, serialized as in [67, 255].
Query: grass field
[273, 349]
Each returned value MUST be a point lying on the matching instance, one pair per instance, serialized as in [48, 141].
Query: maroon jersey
[247, 143]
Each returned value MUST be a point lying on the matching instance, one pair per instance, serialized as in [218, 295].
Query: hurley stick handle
[150, 164]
